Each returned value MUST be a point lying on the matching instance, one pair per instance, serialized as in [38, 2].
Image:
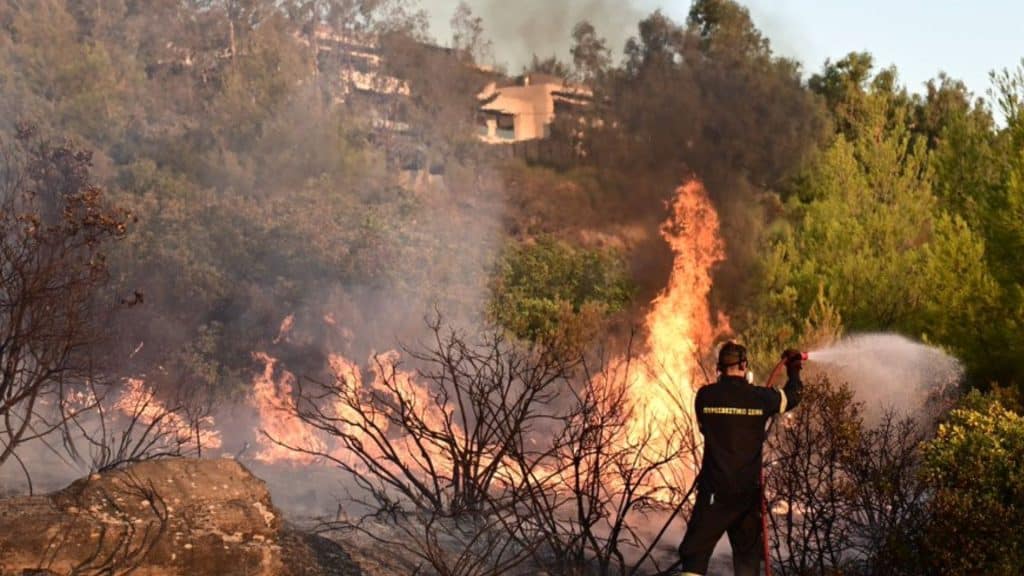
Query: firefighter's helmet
[731, 354]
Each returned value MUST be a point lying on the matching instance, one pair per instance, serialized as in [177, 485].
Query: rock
[162, 518]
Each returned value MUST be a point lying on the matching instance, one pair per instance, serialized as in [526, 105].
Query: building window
[506, 127]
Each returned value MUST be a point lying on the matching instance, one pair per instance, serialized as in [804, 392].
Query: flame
[679, 329]
[286, 328]
[139, 401]
[660, 384]
[348, 375]
[401, 393]
[281, 436]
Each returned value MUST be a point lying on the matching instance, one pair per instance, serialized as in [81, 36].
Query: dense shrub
[975, 468]
[549, 289]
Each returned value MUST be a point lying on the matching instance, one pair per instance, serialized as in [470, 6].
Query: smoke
[888, 372]
[49, 466]
[264, 189]
[519, 30]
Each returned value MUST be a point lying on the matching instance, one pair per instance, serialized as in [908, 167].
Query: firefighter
[732, 414]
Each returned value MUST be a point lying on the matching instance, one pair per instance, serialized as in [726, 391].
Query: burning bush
[56, 228]
[491, 454]
[505, 451]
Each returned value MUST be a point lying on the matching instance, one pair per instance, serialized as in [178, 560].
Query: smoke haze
[521, 29]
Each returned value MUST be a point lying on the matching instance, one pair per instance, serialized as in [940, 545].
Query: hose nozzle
[792, 354]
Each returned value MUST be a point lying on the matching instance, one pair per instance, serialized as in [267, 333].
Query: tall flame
[679, 327]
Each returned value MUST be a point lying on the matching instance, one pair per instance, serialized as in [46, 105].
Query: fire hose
[764, 494]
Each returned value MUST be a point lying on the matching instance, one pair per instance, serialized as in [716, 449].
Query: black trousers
[739, 515]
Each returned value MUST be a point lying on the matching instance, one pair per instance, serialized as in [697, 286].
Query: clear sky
[964, 38]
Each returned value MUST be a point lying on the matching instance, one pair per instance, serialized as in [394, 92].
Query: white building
[525, 109]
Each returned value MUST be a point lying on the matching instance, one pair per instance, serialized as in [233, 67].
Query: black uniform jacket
[732, 415]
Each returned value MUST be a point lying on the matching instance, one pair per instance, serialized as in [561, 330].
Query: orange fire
[390, 381]
[662, 384]
[289, 438]
[286, 328]
[138, 401]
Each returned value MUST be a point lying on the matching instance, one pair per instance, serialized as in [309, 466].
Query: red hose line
[764, 494]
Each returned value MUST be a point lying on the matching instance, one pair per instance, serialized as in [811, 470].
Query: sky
[964, 38]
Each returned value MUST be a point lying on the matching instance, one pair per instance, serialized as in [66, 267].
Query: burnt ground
[312, 555]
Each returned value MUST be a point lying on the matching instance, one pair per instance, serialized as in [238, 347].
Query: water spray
[885, 372]
[891, 373]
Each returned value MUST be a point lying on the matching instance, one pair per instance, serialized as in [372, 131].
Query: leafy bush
[975, 466]
[551, 290]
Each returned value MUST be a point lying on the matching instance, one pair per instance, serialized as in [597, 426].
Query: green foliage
[975, 465]
[547, 289]
[782, 323]
[258, 83]
[85, 86]
[978, 176]
[843, 85]
[675, 104]
[877, 228]
[725, 27]
[590, 54]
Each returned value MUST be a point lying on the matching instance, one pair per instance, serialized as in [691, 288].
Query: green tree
[947, 101]
[979, 173]
[843, 85]
[1006, 205]
[590, 54]
[468, 37]
[81, 83]
[261, 79]
[871, 234]
[726, 29]
[682, 102]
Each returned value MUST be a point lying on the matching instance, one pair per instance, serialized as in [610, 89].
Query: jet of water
[890, 372]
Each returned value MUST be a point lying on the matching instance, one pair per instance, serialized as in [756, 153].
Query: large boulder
[166, 517]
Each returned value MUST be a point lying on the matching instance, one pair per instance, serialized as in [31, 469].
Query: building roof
[535, 95]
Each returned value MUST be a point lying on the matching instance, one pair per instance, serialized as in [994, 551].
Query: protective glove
[794, 360]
